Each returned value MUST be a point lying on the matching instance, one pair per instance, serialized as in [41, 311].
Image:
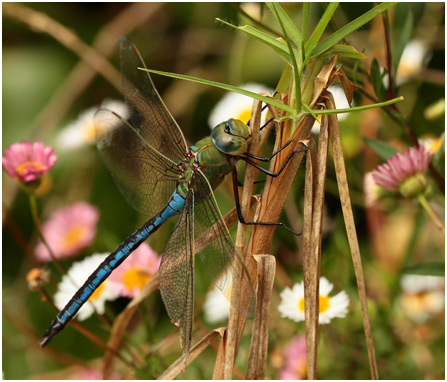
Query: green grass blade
[358, 108]
[346, 51]
[296, 72]
[319, 29]
[432, 269]
[382, 149]
[230, 88]
[305, 21]
[349, 28]
[278, 46]
[377, 80]
[292, 31]
[405, 35]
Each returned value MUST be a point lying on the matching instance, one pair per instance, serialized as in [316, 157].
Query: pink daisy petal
[27, 161]
[135, 272]
[68, 231]
[295, 360]
[401, 166]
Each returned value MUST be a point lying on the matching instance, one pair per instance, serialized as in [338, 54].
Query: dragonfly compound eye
[230, 144]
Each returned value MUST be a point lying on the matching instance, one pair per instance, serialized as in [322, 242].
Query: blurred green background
[185, 38]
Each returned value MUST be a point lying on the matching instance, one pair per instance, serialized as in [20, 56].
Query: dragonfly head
[232, 137]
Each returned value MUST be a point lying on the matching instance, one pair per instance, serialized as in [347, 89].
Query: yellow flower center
[25, 165]
[97, 292]
[323, 305]
[136, 278]
[436, 145]
[244, 116]
[407, 67]
[89, 131]
[72, 236]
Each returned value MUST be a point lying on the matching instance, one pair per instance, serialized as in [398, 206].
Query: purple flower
[405, 172]
[27, 161]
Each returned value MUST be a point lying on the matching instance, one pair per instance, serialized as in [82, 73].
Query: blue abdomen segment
[174, 206]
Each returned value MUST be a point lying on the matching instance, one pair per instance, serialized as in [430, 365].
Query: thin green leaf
[305, 20]
[284, 81]
[319, 29]
[311, 112]
[230, 88]
[359, 108]
[346, 51]
[377, 80]
[292, 31]
[296, 71]
[382, 149]
[276, 44]
[432, 269]
[405, 35]
[349, 28]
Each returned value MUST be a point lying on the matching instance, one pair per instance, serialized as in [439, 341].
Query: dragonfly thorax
[231, 137]
[212, 162]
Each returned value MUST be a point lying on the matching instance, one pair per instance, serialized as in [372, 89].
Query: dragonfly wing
[176, 274]
[220, 258]
[148, 113]
[145, 178]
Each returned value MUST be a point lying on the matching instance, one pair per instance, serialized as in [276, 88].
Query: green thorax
[229, 139]
[213, 163]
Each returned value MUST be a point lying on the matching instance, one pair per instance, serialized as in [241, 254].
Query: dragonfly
[160, 176]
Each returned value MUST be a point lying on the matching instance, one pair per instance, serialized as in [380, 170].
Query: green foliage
[432, 269]
[396, 236]
[382, 149]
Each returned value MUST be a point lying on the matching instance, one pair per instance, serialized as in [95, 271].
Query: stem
[431, 213]
[35, 215]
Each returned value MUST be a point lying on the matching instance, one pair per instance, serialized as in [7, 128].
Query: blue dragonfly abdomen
[160, 176]
[174, 206]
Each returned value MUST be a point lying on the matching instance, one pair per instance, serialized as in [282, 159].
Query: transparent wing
[200, 218]
[220, 258]
[142, 152]
[148, 114]
[145, 179]
[176, 274]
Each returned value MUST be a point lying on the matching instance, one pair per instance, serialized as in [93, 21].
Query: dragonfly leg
[263, 108]
[239, 210]
[247, 159]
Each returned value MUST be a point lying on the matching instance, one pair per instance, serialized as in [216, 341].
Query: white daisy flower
[413, 59]
[217, 304]
[78, 274]
[237, 106]
[81, 132]
[421, 283]
[340, 101]
[292, 303]
[432, 144]
[422, 297]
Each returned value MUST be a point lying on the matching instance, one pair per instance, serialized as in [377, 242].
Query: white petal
[325, 287]
[216, 306]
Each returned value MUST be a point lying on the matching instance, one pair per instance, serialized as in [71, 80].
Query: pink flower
[135, 272]
[295, 360]
[27, 161]
[92, 374]
[404, 172]
[68, 231]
